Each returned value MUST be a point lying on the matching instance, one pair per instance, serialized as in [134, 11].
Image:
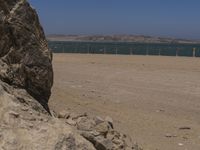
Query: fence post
[88, 50]
[194, 52]
[63, 49]
[147, 51]
[177, 52]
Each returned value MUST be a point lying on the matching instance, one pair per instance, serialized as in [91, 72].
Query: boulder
[33, 129]
[25, 60]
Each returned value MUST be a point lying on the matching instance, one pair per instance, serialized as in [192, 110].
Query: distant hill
[119, 38]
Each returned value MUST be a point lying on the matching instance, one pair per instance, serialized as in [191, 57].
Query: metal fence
[190, 50]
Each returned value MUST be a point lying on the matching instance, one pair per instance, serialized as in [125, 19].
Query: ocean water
[125, 48]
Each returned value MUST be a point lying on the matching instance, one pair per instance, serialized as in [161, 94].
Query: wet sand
[148, 97]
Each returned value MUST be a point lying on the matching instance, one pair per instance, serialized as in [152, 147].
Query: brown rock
[100, 143]
[63, 114]
[75, 116]
[98, 120]
[71, 122]
[85, 124]
[25, 60]
[110, 121]
[102, 128]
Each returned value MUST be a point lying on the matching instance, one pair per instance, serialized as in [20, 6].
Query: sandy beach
[155, 100]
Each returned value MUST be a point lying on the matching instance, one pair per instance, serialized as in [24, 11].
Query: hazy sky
[168, 18]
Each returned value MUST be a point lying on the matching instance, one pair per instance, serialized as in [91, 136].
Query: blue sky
[166, 18]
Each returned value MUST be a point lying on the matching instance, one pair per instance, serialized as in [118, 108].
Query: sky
[164, 18]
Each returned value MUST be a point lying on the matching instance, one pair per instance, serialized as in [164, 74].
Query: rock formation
[26, 78]
[25, 125]
[25, 60]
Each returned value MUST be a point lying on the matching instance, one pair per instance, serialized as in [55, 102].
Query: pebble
[160, 110]
[98, 120]
[168, 135]
[63, 114]
[180, 144]
[24, 109]
[110, 121]
[71, 122]
[184, 128]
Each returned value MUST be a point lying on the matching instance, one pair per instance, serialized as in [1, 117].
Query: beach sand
[149, 97]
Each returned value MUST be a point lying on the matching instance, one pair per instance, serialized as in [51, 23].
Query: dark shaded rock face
[25, 60]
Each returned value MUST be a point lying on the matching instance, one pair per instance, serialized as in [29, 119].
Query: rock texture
[25, 60]
[26, 78]
[25, 125]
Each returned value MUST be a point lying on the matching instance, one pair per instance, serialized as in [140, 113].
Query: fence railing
[190, 50]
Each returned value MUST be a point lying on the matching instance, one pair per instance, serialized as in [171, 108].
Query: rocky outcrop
[100, 132]
[25, 125]
[26, 78]
[25, 60]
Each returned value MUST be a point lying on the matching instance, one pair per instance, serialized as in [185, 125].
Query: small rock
[168, 135]
[98, 120]
[160, 110]
[102, 128]
[136, 147]
[63, 114]
[95, 133]
[117, 141]
[75, 116]
[110, 136]
[184, 128]
[71, 122]
[85, 124]
[54, 114]
[110, 121]
[180, 144]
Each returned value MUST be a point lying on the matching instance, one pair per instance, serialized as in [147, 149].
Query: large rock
[24, 125]
[25, 60]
